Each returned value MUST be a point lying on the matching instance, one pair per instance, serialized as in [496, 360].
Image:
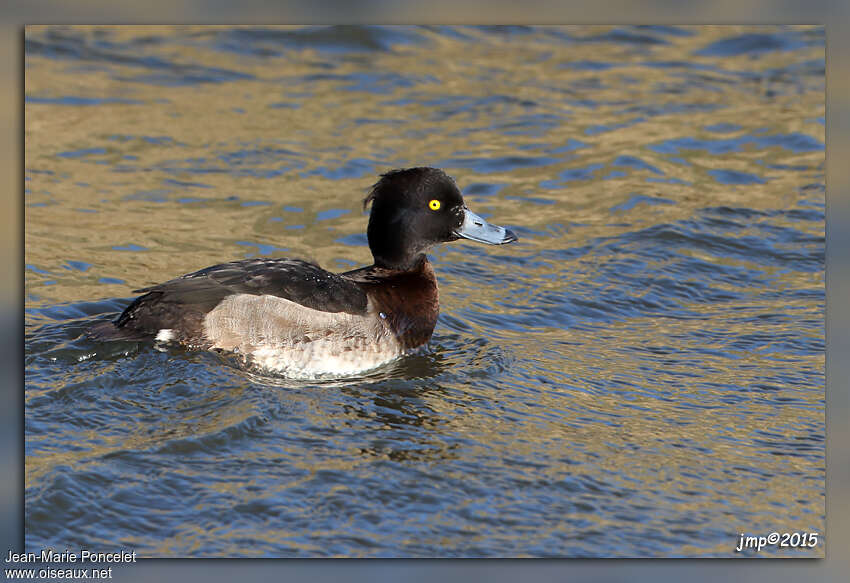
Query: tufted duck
[294, 318]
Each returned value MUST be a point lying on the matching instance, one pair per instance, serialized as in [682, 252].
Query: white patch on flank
[288, 338]
[165, 335]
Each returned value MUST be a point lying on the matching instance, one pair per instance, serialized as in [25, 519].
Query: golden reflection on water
[202, 120]
[627, 442]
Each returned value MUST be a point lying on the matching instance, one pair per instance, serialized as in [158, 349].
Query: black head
[415, 208]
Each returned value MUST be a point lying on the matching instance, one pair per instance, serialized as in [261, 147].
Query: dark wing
[182, 303]
[296, 280]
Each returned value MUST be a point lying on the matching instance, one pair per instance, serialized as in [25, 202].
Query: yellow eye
[434, 204]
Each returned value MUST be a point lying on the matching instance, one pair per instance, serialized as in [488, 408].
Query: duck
[291, 317]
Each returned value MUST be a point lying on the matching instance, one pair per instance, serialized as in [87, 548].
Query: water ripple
[617, 383]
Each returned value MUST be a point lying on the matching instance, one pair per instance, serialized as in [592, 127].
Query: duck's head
[415, 208]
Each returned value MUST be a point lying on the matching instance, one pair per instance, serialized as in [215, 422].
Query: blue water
[641, 375]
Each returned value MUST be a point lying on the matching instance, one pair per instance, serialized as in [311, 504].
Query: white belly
[287, 338]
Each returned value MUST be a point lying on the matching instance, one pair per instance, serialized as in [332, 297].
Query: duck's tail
[108, 331]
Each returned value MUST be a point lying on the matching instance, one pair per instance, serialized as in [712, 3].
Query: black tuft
[406, 180]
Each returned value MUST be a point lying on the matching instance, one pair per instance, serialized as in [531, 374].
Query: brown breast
[410, 303]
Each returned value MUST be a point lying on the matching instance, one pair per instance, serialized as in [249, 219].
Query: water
[641, 375]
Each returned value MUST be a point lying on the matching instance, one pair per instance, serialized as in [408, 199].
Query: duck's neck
[401, 262]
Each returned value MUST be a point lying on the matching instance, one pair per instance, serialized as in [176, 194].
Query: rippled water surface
[642, 374]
